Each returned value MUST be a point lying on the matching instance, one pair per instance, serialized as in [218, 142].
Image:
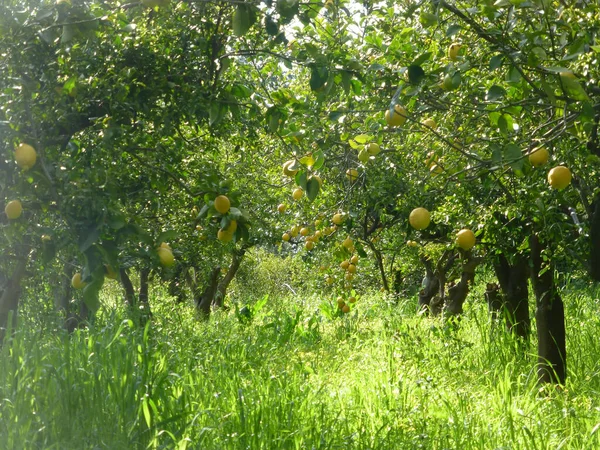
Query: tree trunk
[550, 319]
[457, 294]
[204, 300]
[431, 286]
[9, 299]
[144, 304]
[62, 294]
[595, 240]
[494, 299]
[515, 301]
[379, 259]
[127, 287]
[224, 284]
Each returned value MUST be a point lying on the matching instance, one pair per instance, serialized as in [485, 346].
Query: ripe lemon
[465, 239]
[304, 231]
[559, 177]
[286, 168]
[329, 280]
[352, 300]
[318, 234]
[354, 260]
[352, 268]
[411, 243]
[77, 282]
[297, 194]
[363, 156]
[344, 265]
[349, 277]
[309, 245]
[434, 169]
[286, 237]
[222, 204]
[430, 123]
[231, 228]
[281, 208]
[338, 219]
[13, 209]
[419, 218]
[224, 236]
[397, 118]
[165, 245]
[373, 149]
[453, 51]
[25, 156]
[352, 175]
[347, 242]
[431, 159]
[318, 222]
[345, 309]
[539, 156]
[294, 231]
[166, 257]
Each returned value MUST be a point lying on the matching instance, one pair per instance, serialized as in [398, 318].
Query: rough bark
[380, 266]
[457, 293]
[127, 287]
[144, 304]
[431, 286]
[205, 299]
[9, 299]
[515, 299]
[238, 256]
[550, 319]
[62, 294]
[595, 240]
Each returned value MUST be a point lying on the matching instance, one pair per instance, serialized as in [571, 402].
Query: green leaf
[301, 179]
[318, 77]
[416, 74]
[495, 93]
[363, 138]
[167, 236]
[271, 25]
[88, 238]
[335, 115]
[319, 160]
[512, 75]
[452, 30]
[496, 154]
[514, 156]
[243, 18]
[496, 62]
[312, 189]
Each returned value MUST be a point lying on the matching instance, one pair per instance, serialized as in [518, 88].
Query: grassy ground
[294, 378]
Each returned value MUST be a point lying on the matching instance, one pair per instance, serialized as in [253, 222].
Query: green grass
[293, 378]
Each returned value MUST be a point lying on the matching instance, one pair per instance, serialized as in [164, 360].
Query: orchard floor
[296, 377]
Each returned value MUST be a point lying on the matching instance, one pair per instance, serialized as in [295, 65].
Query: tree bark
[229, 276]
[144, 303]
[380, 266]
[431, 286]
[127, 287]
[550, 319]
[515, 298]
[9, 299]
[457, 294]
[595, 240]
[204, 300]
[62, 295]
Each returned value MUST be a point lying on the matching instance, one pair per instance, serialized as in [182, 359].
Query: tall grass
[295, 378]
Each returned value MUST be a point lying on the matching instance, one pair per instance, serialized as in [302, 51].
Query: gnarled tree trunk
[205, 299]
[550, 319]
[9, 298]
[231, 271]
[457, 294]
[431, 286]
[595, 240]
[515, 299]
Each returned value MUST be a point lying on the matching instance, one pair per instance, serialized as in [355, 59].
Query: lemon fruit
[539, 156]
[559, 177]
[222, 204]
[352, 175]
[419, 218]
[397, 118]
[77, 282]
[281, 208]
[13, 209]
[25, 156]
[373, 149]
[309, 245]
[453, 51]
[286, 168]
[465, 239]
[166, 257]
[430, 123]
[297, 194]
[338, 219]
